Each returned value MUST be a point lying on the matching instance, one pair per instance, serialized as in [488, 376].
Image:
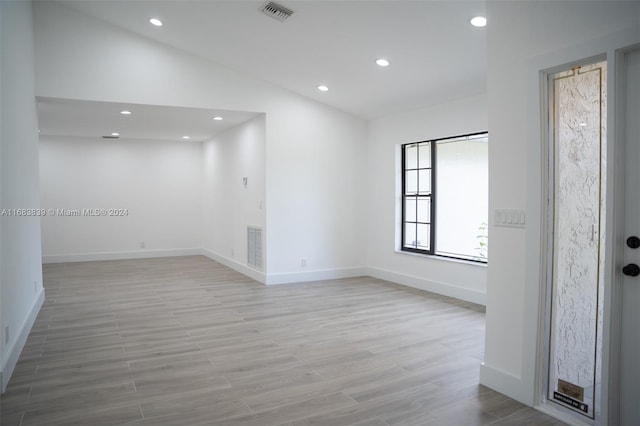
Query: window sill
[441, 258]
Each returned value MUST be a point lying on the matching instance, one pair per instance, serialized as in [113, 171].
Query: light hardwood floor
[187, 341]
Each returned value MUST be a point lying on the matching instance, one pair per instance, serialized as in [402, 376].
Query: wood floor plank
[296, 410]
[81, 417]
[187, 341]
[198, 402]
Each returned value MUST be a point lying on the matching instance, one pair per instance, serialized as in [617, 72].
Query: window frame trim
[432, 225]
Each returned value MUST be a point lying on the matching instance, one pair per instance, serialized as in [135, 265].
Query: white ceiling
[435, 55]
[96, 119]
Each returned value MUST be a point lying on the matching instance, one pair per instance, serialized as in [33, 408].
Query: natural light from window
[462, 187]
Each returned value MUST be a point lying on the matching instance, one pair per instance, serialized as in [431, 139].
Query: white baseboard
[444, 289]
[315, 275]
[506, 384]
[16, 346]
[235, 265]
[119, 255]
[285, 278]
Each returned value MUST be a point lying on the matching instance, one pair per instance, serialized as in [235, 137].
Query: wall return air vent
[276, 11]
[254, 247]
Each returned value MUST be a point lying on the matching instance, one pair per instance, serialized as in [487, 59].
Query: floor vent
[276, 11]
[254, 247]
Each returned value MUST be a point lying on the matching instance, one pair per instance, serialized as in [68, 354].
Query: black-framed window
[418, 179]
[445, 197]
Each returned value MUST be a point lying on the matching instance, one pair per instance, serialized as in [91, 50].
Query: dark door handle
[631, 270]
[633, 242]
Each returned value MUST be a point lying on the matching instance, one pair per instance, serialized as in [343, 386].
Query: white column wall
[21, 292]
[524, 38]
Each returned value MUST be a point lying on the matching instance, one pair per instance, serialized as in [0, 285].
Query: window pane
[462, 198]
[424, 210]
[411, 182]
[410, 235]
[410, 209]
[423, 236]
[411, 157]
[424, 156]
[424, 179]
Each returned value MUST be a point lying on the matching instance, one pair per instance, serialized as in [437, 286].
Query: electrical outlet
[6, 334]
[232, 253]
[303, 262]
[143, 244]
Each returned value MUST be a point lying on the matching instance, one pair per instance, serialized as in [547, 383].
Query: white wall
[159, 183]
[315, 164]
[21, 293]
[228, 206]
[457, 279]
[521, 39]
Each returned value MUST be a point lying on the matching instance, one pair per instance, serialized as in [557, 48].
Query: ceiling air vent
[110, 137]
[276, 11]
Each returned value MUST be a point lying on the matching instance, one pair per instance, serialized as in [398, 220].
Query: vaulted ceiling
[435, 55]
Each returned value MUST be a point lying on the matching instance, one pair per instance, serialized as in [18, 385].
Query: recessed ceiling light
[125, 112]
[382, 62]
[323, 88]
[478, 21]
[186, 137]
[156, 22]
[218, 118]
[583, 124]
[115, 134]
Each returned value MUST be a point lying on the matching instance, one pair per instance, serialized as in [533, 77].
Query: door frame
[618, 249]
[547, 156]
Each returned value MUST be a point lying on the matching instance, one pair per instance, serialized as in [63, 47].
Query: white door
[630, 345]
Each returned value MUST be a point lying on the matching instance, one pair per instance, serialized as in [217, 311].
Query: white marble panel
[579, 103]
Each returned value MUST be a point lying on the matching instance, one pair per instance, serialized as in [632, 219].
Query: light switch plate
[512, 218]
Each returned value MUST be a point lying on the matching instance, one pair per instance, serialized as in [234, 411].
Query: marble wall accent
[579, 148]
